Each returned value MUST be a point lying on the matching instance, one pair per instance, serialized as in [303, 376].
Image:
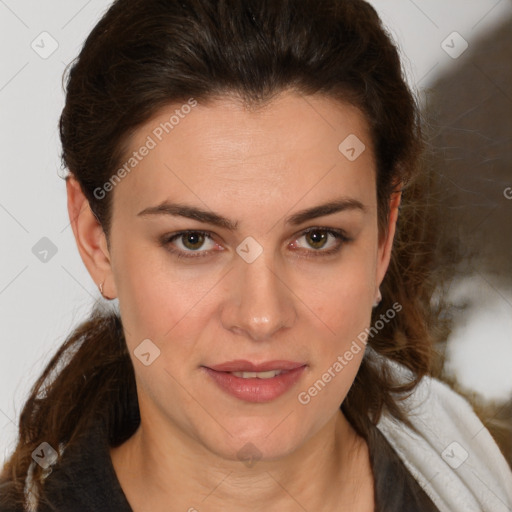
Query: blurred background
[456, 56]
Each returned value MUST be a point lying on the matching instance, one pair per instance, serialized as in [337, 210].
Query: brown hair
[145, 54]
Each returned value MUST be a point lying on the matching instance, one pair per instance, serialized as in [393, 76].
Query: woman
[235, 175]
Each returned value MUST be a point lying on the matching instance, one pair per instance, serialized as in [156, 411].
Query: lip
[254, 389]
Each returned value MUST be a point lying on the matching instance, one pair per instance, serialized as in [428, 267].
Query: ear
[90, 238]
[386, 244]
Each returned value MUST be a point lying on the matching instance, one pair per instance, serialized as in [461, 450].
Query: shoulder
[452, 455]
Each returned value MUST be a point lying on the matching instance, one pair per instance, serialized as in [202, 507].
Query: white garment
[455, 459]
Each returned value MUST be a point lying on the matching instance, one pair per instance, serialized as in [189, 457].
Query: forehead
[292, 144]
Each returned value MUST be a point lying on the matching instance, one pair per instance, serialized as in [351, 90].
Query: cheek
[344, 300]
[160, 299]
[345, 312]
[343, 303]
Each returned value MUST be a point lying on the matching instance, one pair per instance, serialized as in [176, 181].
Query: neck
[330, 471]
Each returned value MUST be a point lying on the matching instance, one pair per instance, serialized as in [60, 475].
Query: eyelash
[336, 233]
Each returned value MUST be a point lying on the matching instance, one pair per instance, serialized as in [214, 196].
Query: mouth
[256, 383]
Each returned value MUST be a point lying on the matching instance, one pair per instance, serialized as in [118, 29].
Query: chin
[256, 439]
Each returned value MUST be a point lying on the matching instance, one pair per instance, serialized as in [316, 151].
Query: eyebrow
[191, 212]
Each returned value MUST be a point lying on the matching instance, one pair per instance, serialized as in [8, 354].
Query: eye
[324, 241]
[187, 243]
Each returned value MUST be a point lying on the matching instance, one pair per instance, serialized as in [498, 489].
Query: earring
[101, 291]
[378, 299]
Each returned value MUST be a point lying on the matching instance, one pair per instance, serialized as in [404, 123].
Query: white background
[41, 302]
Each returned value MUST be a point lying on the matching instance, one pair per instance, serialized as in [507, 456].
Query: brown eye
[320, 241]
[193, 240]
[317, 239]
[189, 244]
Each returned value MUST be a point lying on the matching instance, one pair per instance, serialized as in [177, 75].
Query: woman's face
[247, 289]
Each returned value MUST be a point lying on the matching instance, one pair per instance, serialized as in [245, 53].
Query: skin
[257, 168]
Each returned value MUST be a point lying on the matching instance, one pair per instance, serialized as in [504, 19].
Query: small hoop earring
[101, 291]
[378, 299]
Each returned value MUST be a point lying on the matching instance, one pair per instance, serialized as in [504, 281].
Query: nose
[259, 302]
